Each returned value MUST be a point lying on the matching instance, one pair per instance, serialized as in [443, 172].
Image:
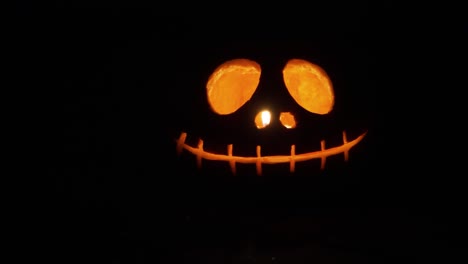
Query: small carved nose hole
[287, 120]
[262, 119]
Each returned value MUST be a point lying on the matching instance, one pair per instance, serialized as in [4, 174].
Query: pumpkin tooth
[259, 160]
[292, 163]
[232, 162]
[346, 151]
[181, 142]
[323, 158]
[199, 153]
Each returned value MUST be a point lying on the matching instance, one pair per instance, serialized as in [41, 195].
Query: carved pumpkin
[259, 113]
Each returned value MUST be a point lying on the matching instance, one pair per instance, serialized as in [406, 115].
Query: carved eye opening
[309, 85]
[232, 84]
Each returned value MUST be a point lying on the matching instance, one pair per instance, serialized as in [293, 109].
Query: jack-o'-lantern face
[262, 118]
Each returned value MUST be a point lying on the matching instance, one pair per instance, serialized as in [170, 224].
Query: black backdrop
[119, 196]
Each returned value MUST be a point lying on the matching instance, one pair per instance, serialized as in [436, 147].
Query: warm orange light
[262, 119]
[232, 84]
[259, 160]
[287, 120]
[309, 85]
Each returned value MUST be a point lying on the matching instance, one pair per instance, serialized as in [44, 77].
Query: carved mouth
[258, 160]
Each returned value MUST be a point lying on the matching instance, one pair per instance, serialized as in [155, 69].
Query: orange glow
[232, 84]
[262, 119]
[288, 120]
[292, 158]
[309, 85]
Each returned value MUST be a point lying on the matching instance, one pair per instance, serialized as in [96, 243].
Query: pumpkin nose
[263, 119]
[287, 120]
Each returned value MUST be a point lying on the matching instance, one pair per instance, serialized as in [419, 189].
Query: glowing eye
[232, 84]
[309, 85]
[262, 119]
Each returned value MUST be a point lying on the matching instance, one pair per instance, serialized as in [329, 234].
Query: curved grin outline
[322, 154]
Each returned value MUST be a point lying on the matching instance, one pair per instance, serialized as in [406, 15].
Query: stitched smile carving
[292, 158]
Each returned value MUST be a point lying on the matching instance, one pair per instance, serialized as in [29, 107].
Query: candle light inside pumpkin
[262, 119]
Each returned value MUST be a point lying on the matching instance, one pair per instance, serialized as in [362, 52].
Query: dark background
[117, 195]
